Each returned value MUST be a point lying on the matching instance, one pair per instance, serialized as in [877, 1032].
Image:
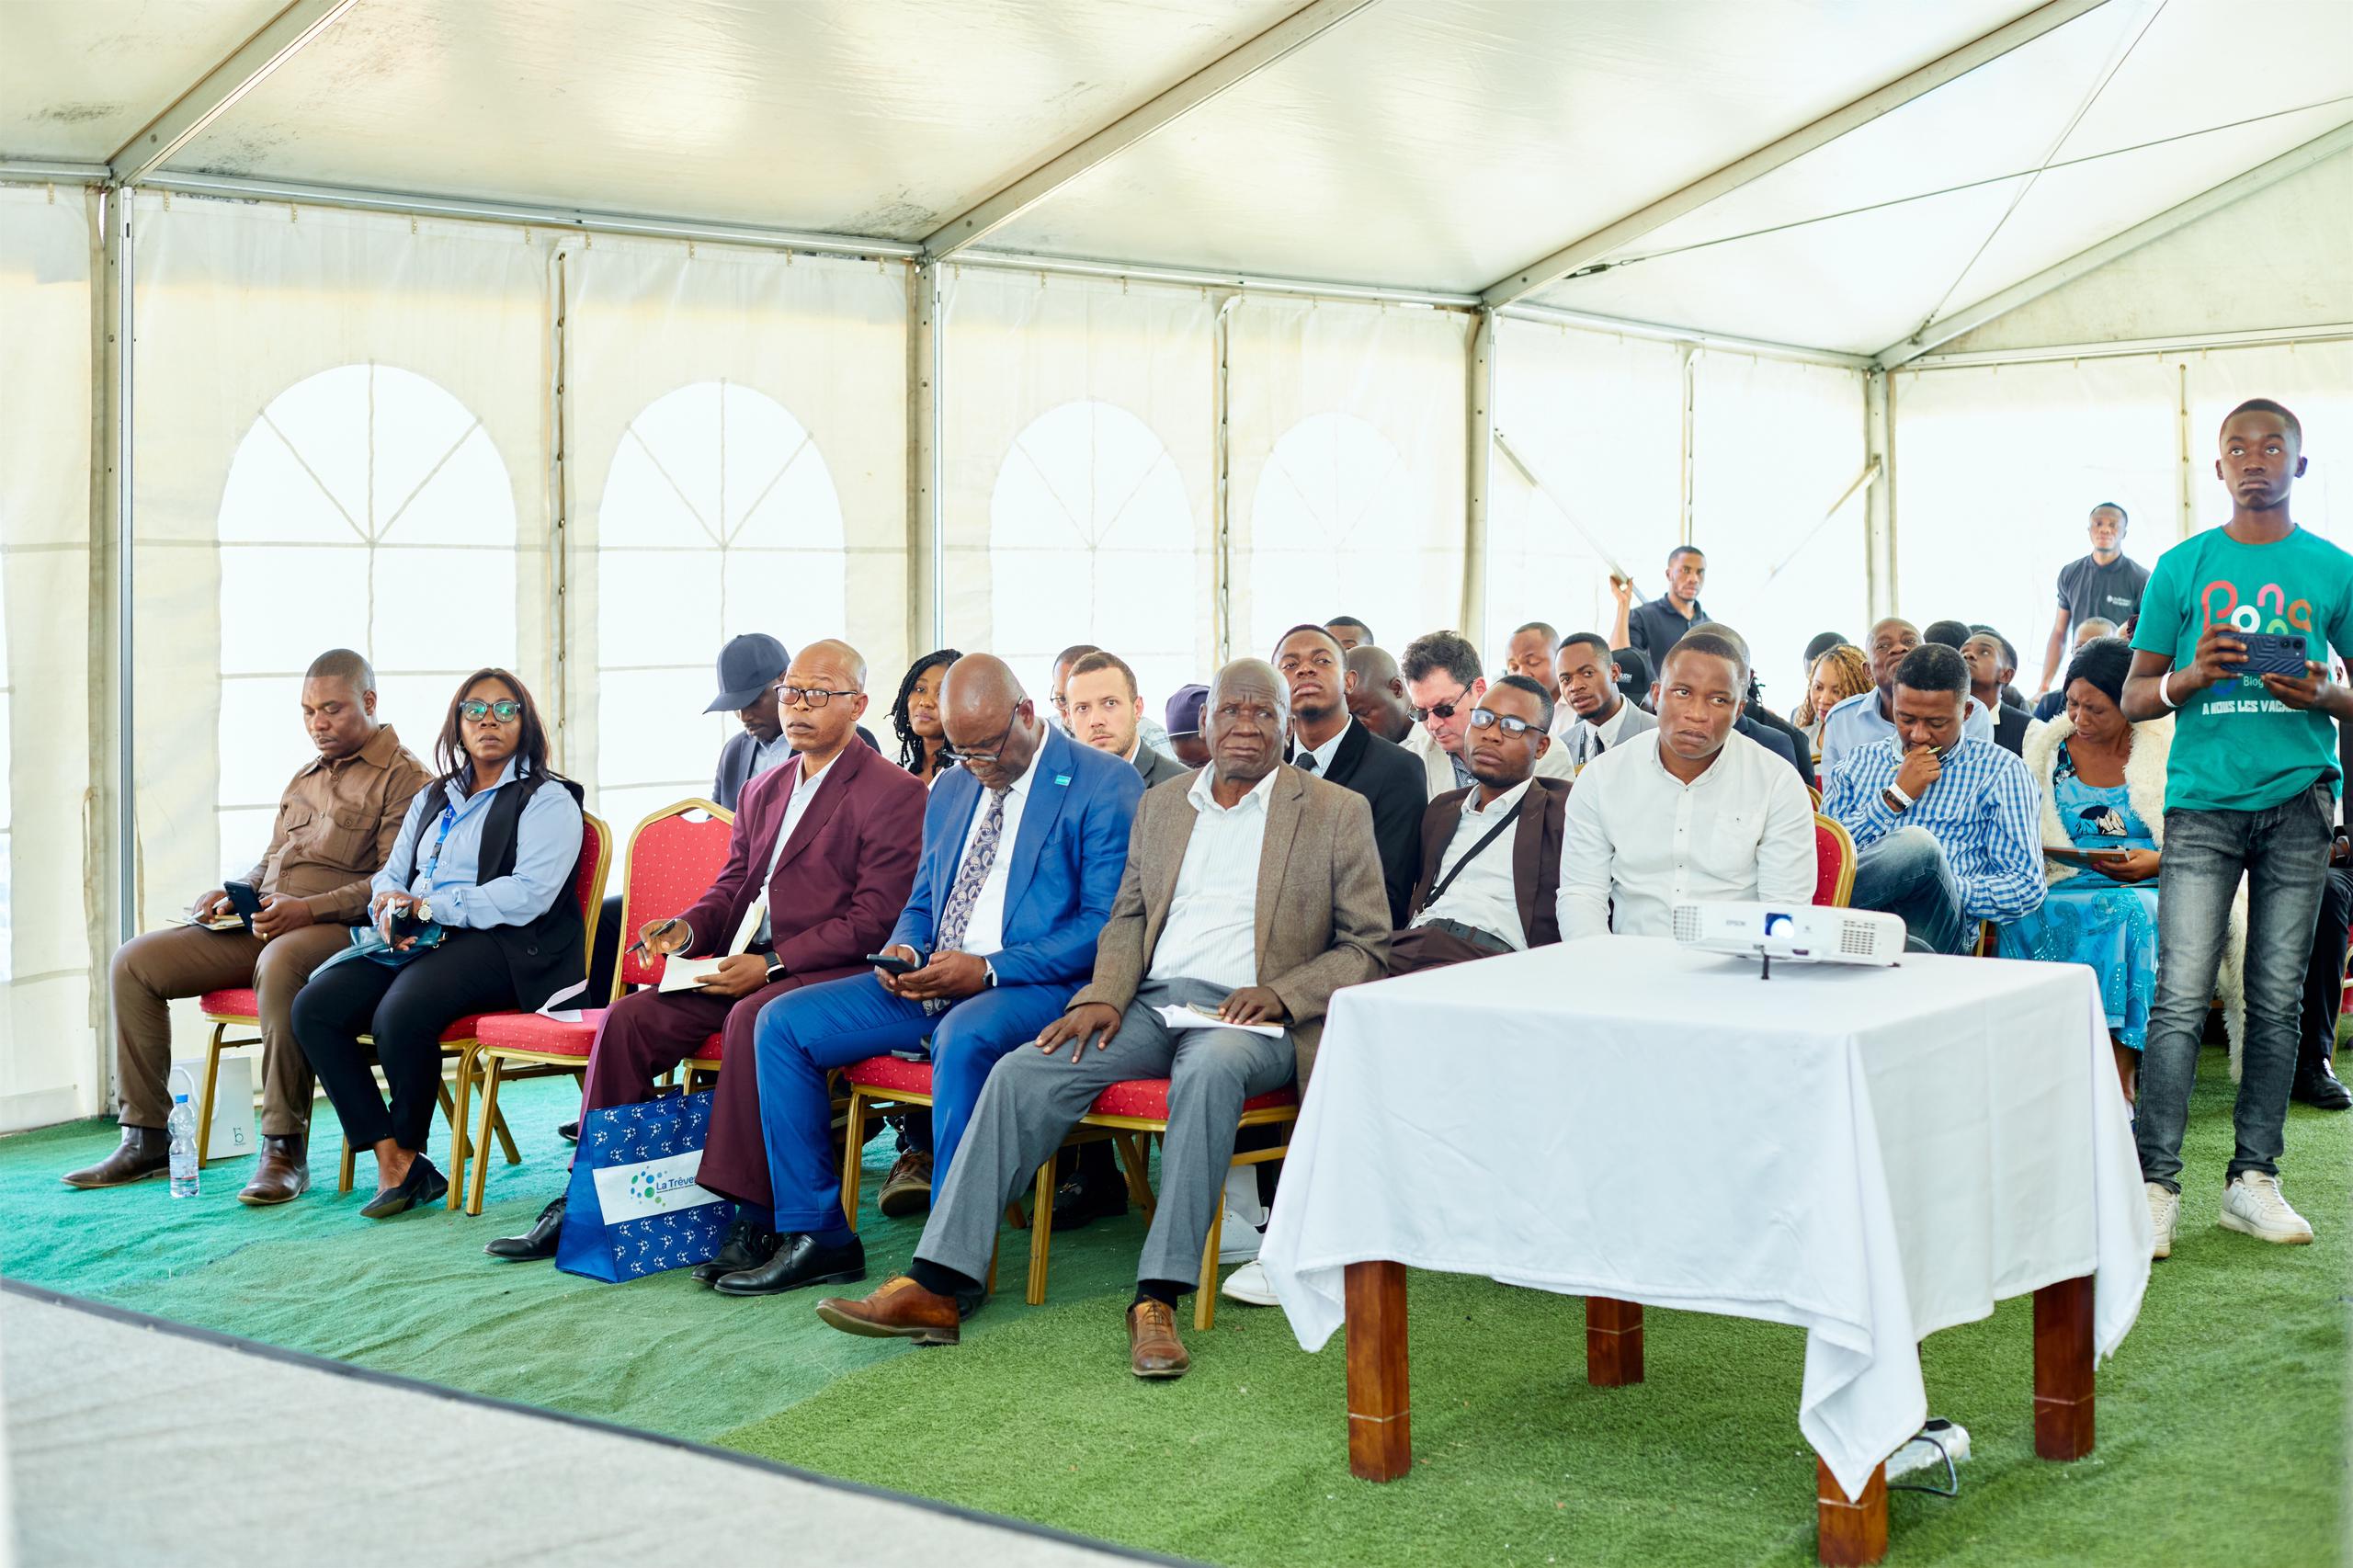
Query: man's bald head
[1376, 696]
[837, 657]
[989, 719]
[1892, 640]
[1249, 709]
[818, 727]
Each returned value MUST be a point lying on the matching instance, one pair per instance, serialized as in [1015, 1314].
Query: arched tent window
[365, 508]
[719, 517]
[1332, 532]
[1091, 539]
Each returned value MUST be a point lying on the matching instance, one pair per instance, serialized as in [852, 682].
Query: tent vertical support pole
[927, 611]
[2185, 503]
[1478, 472]
[1222, 482]
[1879, 531]
[114, 825]
[573, 761]
[1684, 450]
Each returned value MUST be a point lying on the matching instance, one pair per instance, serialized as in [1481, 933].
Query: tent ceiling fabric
[1434, 144]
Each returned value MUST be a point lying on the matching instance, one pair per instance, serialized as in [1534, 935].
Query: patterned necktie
[966, 891]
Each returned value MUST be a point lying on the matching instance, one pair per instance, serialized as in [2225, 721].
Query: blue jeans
[806, 1033]
[2283, 851]
[1906, 873]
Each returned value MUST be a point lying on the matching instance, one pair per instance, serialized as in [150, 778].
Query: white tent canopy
[1007, 323]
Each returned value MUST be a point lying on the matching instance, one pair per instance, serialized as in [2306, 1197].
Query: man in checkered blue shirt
[1944, 824]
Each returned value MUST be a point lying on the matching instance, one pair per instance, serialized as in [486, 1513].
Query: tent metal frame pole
[1756, 347]
[1879, 526]
[188, 117]
[1543, 273]
[2126, 348]
[116, 828]
[1302, 27]
[936, 305]
[1222, 480]
[1945, 328]
[1479, 473]
[924, 597]
[1686, 443]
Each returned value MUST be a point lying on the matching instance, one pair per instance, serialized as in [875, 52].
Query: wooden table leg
[1380, 1441]
[2063, 1369]
[1853, 1531]
[1613, 1341]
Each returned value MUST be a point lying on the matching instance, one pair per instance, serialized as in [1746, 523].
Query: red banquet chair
[1833, 862]
[673, 856]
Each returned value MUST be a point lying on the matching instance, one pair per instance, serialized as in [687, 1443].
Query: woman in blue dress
[2102, 782]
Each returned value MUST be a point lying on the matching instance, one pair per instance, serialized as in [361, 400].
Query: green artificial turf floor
[2222, 1421]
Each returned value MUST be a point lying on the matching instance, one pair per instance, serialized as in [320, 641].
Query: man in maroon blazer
[1490, 854]
[830, 843]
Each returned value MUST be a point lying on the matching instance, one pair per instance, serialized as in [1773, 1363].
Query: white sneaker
[1238, 1239]
[2253, 1204]
[1248, 1286]
[2164, 1212]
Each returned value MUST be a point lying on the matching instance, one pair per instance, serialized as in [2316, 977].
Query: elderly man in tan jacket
[1252, 892]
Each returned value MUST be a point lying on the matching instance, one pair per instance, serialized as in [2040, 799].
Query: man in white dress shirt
[1248, 898]
[1592, 714]
[1689, 813]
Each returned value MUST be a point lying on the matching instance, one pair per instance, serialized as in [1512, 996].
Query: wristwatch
[776, 969]
[423, 910]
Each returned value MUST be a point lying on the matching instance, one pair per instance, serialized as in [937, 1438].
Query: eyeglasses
[474, 709]
[814, 696]
[987, 756]
[1481, 718]
[1442, 709]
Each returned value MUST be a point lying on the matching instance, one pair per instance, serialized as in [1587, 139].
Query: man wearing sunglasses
[1443, 681]
[825, 848]
[1490, 854]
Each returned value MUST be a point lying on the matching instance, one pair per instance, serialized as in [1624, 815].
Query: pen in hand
[639, 950]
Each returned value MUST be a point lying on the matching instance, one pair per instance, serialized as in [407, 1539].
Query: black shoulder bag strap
[1472, 854]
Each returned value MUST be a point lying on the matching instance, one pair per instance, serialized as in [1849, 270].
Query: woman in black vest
[477, 906]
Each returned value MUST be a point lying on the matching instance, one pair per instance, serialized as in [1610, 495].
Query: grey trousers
[1032, 1100]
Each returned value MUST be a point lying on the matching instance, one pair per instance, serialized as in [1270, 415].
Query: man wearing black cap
[749, 667]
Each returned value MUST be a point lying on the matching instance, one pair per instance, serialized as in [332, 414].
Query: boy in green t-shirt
[2251, 788]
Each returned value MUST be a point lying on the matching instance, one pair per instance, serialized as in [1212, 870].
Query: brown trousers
[1423, 947]
[181, 960]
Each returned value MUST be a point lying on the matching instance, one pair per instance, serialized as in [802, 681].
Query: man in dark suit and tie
[1328, 742]
[1490, 854]
[828, 844]
[1023, 844]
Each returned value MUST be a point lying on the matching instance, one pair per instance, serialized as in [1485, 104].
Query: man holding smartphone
[2251, 790]
[336, 821]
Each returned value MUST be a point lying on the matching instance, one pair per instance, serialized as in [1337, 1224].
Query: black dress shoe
[1079, 1201]
[746, 1246]
[799, 1261]
[423, 1185]
[2316, 1085]
[536, 1242]
[569, 1131]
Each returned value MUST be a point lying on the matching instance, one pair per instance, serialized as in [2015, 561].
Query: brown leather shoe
[899, 1309]
[145, 1151]
[282, 1174]
[907, 1189]
[1154, 1349]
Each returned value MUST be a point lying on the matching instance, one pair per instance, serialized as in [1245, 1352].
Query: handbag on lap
[633, 1208]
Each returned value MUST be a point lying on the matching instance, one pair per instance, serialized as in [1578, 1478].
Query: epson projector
[1805, 933]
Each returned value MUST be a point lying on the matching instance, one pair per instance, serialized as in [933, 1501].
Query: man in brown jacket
[336, 821]
[1490, 854]
[1252, 892]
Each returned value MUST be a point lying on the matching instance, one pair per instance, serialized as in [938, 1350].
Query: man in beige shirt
[335, 825]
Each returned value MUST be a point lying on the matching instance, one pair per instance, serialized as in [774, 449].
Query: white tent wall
[1348, 475]
[2277, 260]
[46, 808]
[735, 460]
[1076, 459]
[341, 424]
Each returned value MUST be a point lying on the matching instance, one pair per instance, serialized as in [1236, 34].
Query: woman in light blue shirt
[476, 914]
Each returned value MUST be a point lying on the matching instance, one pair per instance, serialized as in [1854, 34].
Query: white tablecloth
[1869, 1154]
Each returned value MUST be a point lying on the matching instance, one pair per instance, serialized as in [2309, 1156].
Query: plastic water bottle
[181, 1126]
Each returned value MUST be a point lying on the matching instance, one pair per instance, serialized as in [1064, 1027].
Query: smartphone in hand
[245, 899]
[2274, 654]
[891, 963]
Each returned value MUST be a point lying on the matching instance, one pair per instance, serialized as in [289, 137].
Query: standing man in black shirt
[2104, 584]
[1652, 629]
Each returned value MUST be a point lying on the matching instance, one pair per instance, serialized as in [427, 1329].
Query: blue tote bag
[633, 1208]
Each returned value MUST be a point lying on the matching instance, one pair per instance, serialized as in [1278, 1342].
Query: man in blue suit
[1023, 847]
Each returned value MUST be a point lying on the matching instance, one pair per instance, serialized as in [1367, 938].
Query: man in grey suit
[1592, 714]
[1249, 897]
[1100, 700]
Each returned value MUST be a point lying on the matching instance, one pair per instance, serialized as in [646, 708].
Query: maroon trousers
[649, 1032]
